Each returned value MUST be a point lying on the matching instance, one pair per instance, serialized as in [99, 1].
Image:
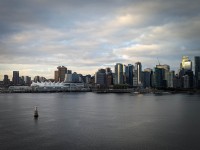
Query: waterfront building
[119, 74]
[27, 80]
[186, 82]
[76, 77]
[88, 79]
[58, 86]
[39, 79]
[159, 78]
[15, 78]
[176, 82]
[190, 77]
[19, 89]
[186, 69]
[108, 70]
[129, 74]
[137, 79]
[147, 77]
[43, 79]
[109, 77]
[68, 78]
[170, 77]
[60, 74]
[197, 70]
[186, 63]
[56, 78]
[6, 80]
[100, 78]
[69, 71]
[166, 72]
[36, 79]
[109, 80]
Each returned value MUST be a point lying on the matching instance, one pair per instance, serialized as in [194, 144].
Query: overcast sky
[84, 35]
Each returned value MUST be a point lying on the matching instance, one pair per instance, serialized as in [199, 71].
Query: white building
[59, 86]
[68, 77]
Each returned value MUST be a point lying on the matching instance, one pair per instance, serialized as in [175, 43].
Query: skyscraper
[15, 78]
[118, 73]
[186, 69]
[60, 74]
[147, 77]
[100, 77]
[6, 81]
[138, 72]
[159, 78]
[56, 76]
[27, 80]
[129, 74]
[197, 70]
[170, 78]
[166, 72]
[109, 77]
[186, 64]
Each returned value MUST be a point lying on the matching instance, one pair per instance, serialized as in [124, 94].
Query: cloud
[86, 35]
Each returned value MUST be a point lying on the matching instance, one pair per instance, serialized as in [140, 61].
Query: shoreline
[131, 91]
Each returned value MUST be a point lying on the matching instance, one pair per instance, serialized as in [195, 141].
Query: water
[100, 121]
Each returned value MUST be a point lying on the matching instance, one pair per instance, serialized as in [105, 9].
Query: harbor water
[79, 121]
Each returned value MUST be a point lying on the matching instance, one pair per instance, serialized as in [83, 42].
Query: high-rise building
[190, 77]
[129, 74]
[138, 73]
[186, 64]
[119, 74]
[100, 77]
[186, 82]
[109, 77]
[159, 78]
[69, 71]
[166, 72]
[197, 70]
[6, 81]
[108, 70]
[36, 79]
[88, 79]
[176, 82]
[27, 80]
[68, 77]
[56, 76]
[170, 78]
[15, 78]
[147, 77]
[186, 69]
[75, 77]
[60, 74]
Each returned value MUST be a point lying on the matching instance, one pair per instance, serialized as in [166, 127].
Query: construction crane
[158, 61]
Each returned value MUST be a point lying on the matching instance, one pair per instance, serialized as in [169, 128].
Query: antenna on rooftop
[158, 61]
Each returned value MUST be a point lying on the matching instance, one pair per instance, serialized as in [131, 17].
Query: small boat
[36, 113]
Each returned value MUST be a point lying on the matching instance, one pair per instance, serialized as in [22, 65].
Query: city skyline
[67, 69]
[36, 37]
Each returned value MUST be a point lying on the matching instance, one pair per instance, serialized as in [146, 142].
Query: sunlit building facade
[137, 79]
[118, 73]
[59, 75]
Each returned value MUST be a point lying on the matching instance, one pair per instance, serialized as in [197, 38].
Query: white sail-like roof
[48, 84]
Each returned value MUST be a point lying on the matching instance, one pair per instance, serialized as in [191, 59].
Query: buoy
[36, 113]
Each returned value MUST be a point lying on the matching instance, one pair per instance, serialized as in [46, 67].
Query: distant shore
[133, 91]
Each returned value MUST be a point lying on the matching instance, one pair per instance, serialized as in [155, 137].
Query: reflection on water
[100, 121]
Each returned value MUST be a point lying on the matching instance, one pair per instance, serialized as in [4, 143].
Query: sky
[36, 36]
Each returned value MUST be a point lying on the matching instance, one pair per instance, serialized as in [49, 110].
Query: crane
[158, 61]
